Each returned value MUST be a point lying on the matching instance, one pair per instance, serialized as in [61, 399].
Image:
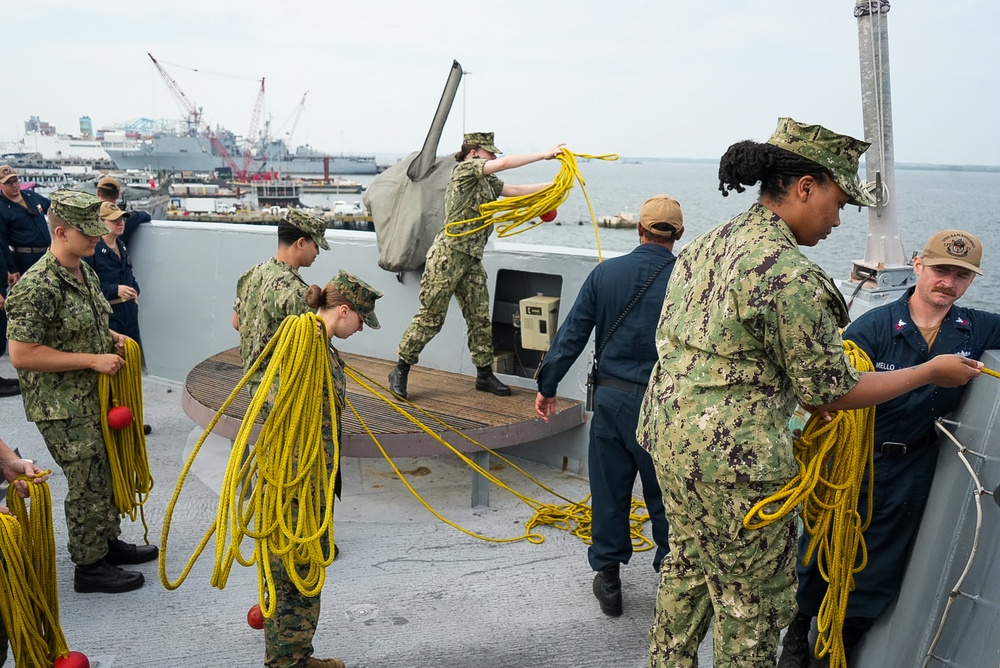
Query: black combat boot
[795, 649]
[608, 590]
[120, 552]
[101, 576]
[397, 378]
[487, 382]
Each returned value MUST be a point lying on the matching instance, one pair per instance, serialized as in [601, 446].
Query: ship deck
[407, 589]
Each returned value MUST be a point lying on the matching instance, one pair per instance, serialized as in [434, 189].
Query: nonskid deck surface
[407, 590]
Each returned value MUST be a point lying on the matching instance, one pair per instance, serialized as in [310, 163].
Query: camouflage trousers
[717, 571]
[449, 272]
[91, 516]
[288, 634]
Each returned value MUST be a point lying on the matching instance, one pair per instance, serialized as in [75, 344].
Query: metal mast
[885, 271]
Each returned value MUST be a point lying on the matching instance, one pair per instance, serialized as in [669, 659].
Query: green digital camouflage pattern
[749, 327]
[360, 294]
[838, 153]
[483, 140]
[467, 190]
[265, 295]
[79, 210]
[91, 516]
[450, 273]
[49, 306]
[707, 576]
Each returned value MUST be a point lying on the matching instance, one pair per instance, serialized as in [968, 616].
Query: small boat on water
[621, 220]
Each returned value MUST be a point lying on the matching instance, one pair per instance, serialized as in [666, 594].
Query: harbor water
[928, 200]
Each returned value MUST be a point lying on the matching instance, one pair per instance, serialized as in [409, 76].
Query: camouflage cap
[79, 210]
[7, 173]
[956, 248]
[360, 294]
[314, 226]
[838, 153]
[108, 183]
[483, 140]
[110, 211]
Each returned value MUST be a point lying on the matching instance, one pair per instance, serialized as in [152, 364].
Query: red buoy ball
[73, 660]
[549, 216]
[255, 618]
[119, 417]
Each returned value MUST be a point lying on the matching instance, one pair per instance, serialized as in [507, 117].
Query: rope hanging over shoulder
[833, 458]
[511, 213]
[278, 491]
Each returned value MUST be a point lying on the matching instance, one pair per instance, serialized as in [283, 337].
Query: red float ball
[255, 618]
[119, 417]
[549, 216]
[73, 660]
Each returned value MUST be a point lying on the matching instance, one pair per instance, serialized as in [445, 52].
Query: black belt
[896, 449]
[28, 249]
[623, 385]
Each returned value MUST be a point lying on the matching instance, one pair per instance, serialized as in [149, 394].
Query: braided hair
[747, 162]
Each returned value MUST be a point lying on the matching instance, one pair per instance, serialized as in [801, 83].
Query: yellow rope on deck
[833, 458]
[290, 516]
[29, 598]
[131, 479]
[573, 516]
[510, 213]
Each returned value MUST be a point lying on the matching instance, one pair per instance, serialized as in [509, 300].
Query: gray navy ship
[194, 153]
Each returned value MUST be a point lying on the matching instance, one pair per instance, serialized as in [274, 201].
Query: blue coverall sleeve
[570, 340]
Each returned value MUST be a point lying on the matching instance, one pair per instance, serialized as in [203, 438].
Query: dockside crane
[196, 120]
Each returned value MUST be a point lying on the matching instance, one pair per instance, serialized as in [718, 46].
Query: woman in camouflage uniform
[345, 305]
[750, 327]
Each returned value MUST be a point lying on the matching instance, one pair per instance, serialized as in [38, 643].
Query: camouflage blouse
[467, 190]
[265, 295]
[749, 327]
[49, 306]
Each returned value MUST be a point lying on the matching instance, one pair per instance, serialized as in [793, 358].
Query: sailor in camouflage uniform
[346, 305]
[273, 290]
[748, 328]
[455, 263]
[59, 343]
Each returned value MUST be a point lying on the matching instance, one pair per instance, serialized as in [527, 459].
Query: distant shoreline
[918, 166]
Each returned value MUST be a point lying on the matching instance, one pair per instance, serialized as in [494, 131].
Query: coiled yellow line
[291, 516]
[130, 475]
[833, 458]
[29, 598]
[511, 213]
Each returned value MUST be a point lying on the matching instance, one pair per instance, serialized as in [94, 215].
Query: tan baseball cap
[661, 214]
[955, 248]
[110, 211]
[7, 173]
[109, 183]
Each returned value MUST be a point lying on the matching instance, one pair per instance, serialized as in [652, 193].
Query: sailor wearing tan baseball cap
[955, 248]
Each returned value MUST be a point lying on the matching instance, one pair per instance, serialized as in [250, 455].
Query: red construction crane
[198, 122]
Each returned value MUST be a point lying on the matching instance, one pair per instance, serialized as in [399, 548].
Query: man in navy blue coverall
[24, 237]
[923, 323]
[624, 362]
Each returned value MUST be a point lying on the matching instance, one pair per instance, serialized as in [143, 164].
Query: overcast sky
[664, 78]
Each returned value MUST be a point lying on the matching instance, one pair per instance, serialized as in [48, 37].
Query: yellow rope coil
[279, 491]
[573, 516]
[130, 475]
[510, 213]
[29, 597]
[833, 458]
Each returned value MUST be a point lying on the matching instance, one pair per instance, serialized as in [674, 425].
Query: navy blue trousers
[615, 458]
[902, 485]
